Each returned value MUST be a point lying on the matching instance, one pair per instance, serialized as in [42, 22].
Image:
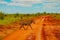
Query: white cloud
[2, 2]
[50, 5]
[51, 0]
[26, 2]
[18, 4]
[14, 4]
[29, 3]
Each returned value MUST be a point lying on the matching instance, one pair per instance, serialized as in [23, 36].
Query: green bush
[1, 17]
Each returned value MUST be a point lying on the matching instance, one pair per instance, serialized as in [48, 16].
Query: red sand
[46, 28]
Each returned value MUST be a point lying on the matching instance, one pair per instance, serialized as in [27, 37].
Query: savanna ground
[9, 23]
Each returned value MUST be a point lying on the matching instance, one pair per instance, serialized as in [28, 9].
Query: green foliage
[1, 17]
[38, 13]
[1, 13]
[44, 13]
[17, 14]
[8, 18]
[5, 15]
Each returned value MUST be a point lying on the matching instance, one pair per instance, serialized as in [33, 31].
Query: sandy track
[22, 34]
[38, 32]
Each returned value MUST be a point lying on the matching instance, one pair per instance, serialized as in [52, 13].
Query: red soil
[46, 28]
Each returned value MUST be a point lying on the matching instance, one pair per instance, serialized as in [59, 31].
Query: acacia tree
[17, 14]
[1, 15]
[38, 13]
[44, 13]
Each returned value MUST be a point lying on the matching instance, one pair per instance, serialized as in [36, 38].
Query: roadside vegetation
[8, 18]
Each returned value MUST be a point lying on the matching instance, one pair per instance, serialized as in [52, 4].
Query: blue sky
[29, 6]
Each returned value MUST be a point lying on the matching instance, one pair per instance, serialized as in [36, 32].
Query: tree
[1, 17]
[48, 13]
[38, 13]
[17, 14]
[28, 14]
[5, 15]
[44, 13]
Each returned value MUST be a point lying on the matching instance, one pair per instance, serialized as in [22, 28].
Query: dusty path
[22, 34]
[45, 29]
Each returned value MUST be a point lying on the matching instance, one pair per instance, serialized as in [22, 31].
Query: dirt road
[39, 31]
[22, 34]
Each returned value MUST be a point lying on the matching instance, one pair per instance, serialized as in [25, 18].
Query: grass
[8, 18]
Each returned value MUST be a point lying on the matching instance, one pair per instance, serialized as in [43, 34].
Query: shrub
[1, 17]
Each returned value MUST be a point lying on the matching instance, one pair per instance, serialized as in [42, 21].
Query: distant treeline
[2, 15]
[7, 18]
[38, 13]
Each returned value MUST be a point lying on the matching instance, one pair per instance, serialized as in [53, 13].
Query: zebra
[26, 23]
